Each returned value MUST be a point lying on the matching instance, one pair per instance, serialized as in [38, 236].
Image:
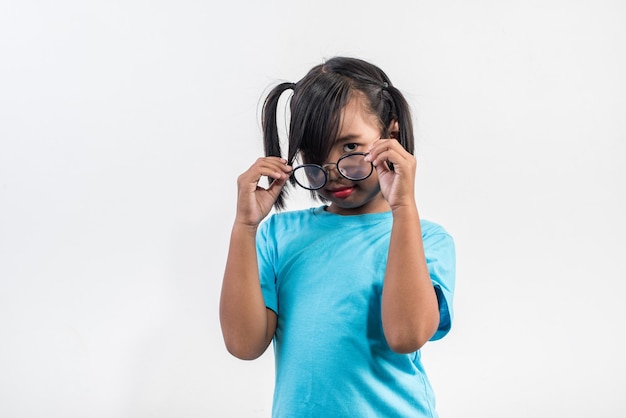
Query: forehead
[357, 119]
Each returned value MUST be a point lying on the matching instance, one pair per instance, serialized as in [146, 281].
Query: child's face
[357, 132]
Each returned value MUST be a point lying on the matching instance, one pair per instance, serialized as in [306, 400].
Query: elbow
[404, 344]
[243, 351]
[245, 340]
[411, 337]
[245, 345]
[244, 354]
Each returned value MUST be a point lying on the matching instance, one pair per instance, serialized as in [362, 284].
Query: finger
[275, 187]
[384, 156]
[280, 167]
[248, 182]
[377, 148]
[389, 151]
[386, 144]
[271, 167]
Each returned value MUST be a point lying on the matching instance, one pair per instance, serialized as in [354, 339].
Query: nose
[332, 171]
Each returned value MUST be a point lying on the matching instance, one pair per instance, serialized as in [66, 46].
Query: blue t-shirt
[323, 274]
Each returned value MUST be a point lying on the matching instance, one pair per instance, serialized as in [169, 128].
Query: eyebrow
[349, 137]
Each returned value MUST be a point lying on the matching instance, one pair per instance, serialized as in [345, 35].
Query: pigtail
[398, 109]
[271, 140]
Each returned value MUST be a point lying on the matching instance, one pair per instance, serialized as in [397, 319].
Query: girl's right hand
[253, 201]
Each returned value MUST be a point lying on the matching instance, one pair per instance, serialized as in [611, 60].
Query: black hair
[316, 105]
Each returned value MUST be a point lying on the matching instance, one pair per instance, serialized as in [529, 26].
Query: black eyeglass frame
[325, 171]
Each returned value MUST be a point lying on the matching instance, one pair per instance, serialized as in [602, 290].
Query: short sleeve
[266, 250]
[441, 260]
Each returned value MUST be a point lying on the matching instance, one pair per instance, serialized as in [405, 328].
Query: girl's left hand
[397, 184]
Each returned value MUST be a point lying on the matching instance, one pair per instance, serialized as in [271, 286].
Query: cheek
[370, 185]
[374, 185]
[373, 178]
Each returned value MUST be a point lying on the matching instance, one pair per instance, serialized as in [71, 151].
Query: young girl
[349, 291]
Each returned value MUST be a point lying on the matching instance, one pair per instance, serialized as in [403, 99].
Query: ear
[393, 129]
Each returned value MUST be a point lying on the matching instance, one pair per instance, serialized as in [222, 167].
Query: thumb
[275, 187]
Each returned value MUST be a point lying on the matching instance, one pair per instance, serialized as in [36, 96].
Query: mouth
[343, 192]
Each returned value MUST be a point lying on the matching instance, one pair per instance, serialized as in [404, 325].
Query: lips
[342, 193]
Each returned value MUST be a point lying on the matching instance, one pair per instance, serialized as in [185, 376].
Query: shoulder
[281, 223]
[288, 217]
[435, 235]
[430, 228]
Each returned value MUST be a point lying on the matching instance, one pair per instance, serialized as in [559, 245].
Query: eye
[350, 147]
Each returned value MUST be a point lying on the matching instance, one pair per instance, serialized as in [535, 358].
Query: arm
[410, 311]
[247, 325]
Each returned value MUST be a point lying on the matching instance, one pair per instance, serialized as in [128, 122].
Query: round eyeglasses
[350, 166]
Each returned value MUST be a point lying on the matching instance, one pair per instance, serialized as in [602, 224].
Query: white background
[123, 127]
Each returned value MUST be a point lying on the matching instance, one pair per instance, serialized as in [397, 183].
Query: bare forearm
[410, 312]
[243, 316]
